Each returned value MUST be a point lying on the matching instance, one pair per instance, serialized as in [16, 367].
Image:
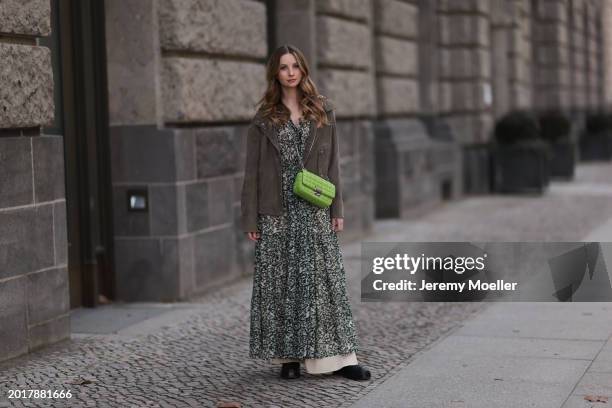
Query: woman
[299, 306]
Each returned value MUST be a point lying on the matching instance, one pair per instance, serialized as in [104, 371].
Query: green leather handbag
[313, 188]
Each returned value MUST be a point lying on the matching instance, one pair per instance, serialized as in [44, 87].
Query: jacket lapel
[313, 131]
[309, 140]
[270, 133]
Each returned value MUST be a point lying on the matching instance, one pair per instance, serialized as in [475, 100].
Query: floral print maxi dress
[299, 303]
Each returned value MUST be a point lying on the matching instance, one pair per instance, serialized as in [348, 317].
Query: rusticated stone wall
[397, 58]
[519, 54]
[466, 85]
[212, 56]
[344, 55]
[184, 81]
[200, 68]
[34, 298]
[413, 171]
[585, 52]
[465, 66]
[201, 63]
[345, 73]
[594, 52]
[551, 70]
[607, 52]
[578, 77]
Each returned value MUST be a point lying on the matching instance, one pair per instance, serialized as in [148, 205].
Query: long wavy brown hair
[311, 103]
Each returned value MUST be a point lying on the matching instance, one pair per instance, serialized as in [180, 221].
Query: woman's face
[289, 74]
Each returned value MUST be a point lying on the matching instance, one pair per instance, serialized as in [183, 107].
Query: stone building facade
[153, 113]
[34, 301]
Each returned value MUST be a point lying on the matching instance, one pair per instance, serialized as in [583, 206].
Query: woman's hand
[254, 236]
[337, 224]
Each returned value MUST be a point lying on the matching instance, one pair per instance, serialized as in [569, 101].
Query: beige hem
[322, 365]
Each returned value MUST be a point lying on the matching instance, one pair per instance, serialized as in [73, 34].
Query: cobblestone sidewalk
[204, 360]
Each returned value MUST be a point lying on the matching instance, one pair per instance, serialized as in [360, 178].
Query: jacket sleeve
[249, 199]
[337, 206]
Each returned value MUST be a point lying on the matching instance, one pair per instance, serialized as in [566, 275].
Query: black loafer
[354, 372]
[291, 370]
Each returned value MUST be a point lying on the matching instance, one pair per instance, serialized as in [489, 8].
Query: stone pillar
[607, 52]
[185, 81]
[397, 58]
[519, 54]
[401, 141]
[428, 58]
[466, 93]
[578, 51]
[465, 68]
[572, 41]
[34, 296]
[414, 168]
[592, 48]
[588, 52]
[600, 10]
[550, 54]
[587, 38]
[501, 27]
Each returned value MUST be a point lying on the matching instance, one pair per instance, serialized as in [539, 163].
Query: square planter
[563, 162]
[521, 168]
[596, 146]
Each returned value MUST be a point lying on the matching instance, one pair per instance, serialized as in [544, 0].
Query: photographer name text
[423, 285]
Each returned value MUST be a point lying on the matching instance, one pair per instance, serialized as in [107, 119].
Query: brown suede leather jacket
[261, 189]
